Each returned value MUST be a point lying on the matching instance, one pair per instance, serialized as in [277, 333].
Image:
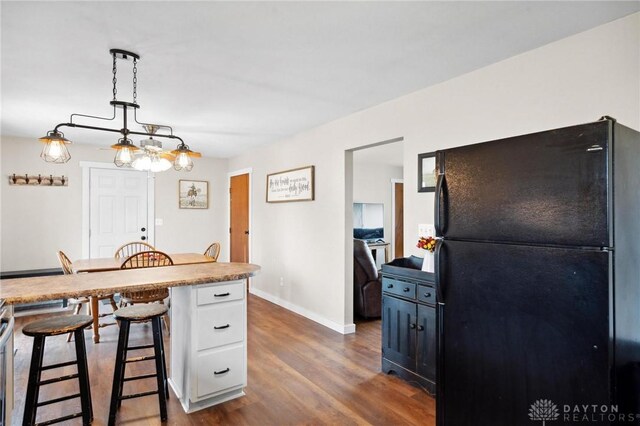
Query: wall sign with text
[291, 185]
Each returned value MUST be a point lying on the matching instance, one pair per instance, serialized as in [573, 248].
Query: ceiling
[229, 76]
[390, 154]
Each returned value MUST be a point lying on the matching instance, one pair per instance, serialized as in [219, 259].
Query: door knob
[143, 229]
[143, 238]
[246, 232]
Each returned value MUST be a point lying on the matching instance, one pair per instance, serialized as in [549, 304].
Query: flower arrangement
[427, 243]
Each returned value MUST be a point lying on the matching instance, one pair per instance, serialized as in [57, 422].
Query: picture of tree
[543, 410]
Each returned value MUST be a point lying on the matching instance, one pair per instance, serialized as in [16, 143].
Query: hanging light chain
[135, 80]
[114, 70]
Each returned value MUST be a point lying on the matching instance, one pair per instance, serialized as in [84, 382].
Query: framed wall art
[291, 185]
[427, 172]
[193, 194]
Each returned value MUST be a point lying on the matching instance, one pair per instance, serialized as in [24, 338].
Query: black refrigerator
[538, 274]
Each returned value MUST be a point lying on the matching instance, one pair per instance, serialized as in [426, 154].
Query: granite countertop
[36, 289]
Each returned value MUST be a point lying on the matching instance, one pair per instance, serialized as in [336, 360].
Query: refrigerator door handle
[439, 276]
[437, 224]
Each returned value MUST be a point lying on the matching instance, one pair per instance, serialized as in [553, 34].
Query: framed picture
[427, 172]
[291, 185]
[193, 194]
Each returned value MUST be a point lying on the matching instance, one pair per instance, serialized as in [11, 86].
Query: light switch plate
[159, 222]
[426, 230]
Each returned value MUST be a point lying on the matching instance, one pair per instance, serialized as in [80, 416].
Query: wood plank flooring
[299, 373]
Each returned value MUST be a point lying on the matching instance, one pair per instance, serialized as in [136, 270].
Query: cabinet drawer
[400, 288]
[220, 324]
[220, 293]
[427, 294]
[219, 370]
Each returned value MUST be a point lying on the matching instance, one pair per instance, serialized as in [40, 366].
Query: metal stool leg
[83, 379]
[164, 365]
[118, 372]
[160, 369]
[33, 388]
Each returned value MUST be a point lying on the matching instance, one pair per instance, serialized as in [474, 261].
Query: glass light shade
[142, 162]
[160, 164]
[124, 157]
[55, 151]
[183, 162]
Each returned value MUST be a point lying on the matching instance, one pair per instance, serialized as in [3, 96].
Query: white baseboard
[342, 329]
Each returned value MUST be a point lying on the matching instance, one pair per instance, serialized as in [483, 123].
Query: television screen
[368, 221]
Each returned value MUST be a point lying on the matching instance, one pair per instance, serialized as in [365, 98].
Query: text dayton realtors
[596, 413]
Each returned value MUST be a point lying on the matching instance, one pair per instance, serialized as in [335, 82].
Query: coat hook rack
[39, 180]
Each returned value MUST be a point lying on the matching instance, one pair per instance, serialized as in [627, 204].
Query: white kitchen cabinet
[208, 343]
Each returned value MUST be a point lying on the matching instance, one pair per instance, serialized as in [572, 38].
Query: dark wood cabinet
[409, 326]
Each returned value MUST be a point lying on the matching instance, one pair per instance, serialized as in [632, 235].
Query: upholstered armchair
[367, 288]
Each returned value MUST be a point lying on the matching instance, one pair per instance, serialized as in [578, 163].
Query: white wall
[36, 221]
[571, 81]
[372, 184]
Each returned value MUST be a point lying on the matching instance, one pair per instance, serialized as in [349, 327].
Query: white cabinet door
[118, 210]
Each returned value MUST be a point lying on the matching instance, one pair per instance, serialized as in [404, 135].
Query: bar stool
[139, 313]
[39, 330]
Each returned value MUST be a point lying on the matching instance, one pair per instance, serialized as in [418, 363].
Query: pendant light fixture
[151, 156]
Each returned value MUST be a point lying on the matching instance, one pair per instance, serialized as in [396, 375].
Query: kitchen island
[208, 327]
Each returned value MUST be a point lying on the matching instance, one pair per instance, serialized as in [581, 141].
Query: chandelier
[150, 156]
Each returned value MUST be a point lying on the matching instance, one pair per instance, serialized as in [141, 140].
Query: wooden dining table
[112, 264]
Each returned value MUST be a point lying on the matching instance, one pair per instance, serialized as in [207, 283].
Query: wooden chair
[213, 251]
[132, 248]
[79, 301]
[147, 259]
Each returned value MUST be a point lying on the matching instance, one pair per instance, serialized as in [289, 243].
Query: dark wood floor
[299, 373]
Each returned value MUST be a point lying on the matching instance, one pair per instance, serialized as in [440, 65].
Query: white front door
[117, 210]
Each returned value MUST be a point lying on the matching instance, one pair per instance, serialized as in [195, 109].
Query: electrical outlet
[281, 281]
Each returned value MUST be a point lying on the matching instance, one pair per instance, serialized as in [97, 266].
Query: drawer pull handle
[406, 289]
[215, 327]
[427, 295]
[412, 326]
[390, 286]
[222, 294]
[420, 328]
[226, 370]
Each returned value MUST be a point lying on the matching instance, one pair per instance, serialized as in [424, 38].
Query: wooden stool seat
[58, 325]
[126, 316]
[140, 312]
[40, 330]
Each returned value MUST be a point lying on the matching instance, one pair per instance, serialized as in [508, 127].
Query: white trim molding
[86, 205]
[340, 328]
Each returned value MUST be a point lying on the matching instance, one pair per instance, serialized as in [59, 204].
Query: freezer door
[545, 188]
[519, 325]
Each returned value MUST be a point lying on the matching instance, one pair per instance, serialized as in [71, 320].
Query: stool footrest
[135, 348]
[59, 419]
[140, 358]
[53, 401]
[145, 376]
[62, 364]
[58, 379]
[138, 395]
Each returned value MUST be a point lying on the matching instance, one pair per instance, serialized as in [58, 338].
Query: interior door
[118, 210]
[548, 188]
[239, 218]
[398, 226]
[521, 324]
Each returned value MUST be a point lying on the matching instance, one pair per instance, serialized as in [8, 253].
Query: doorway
[239, 217]
[118, 207]
[397, 211]
[374, 198]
